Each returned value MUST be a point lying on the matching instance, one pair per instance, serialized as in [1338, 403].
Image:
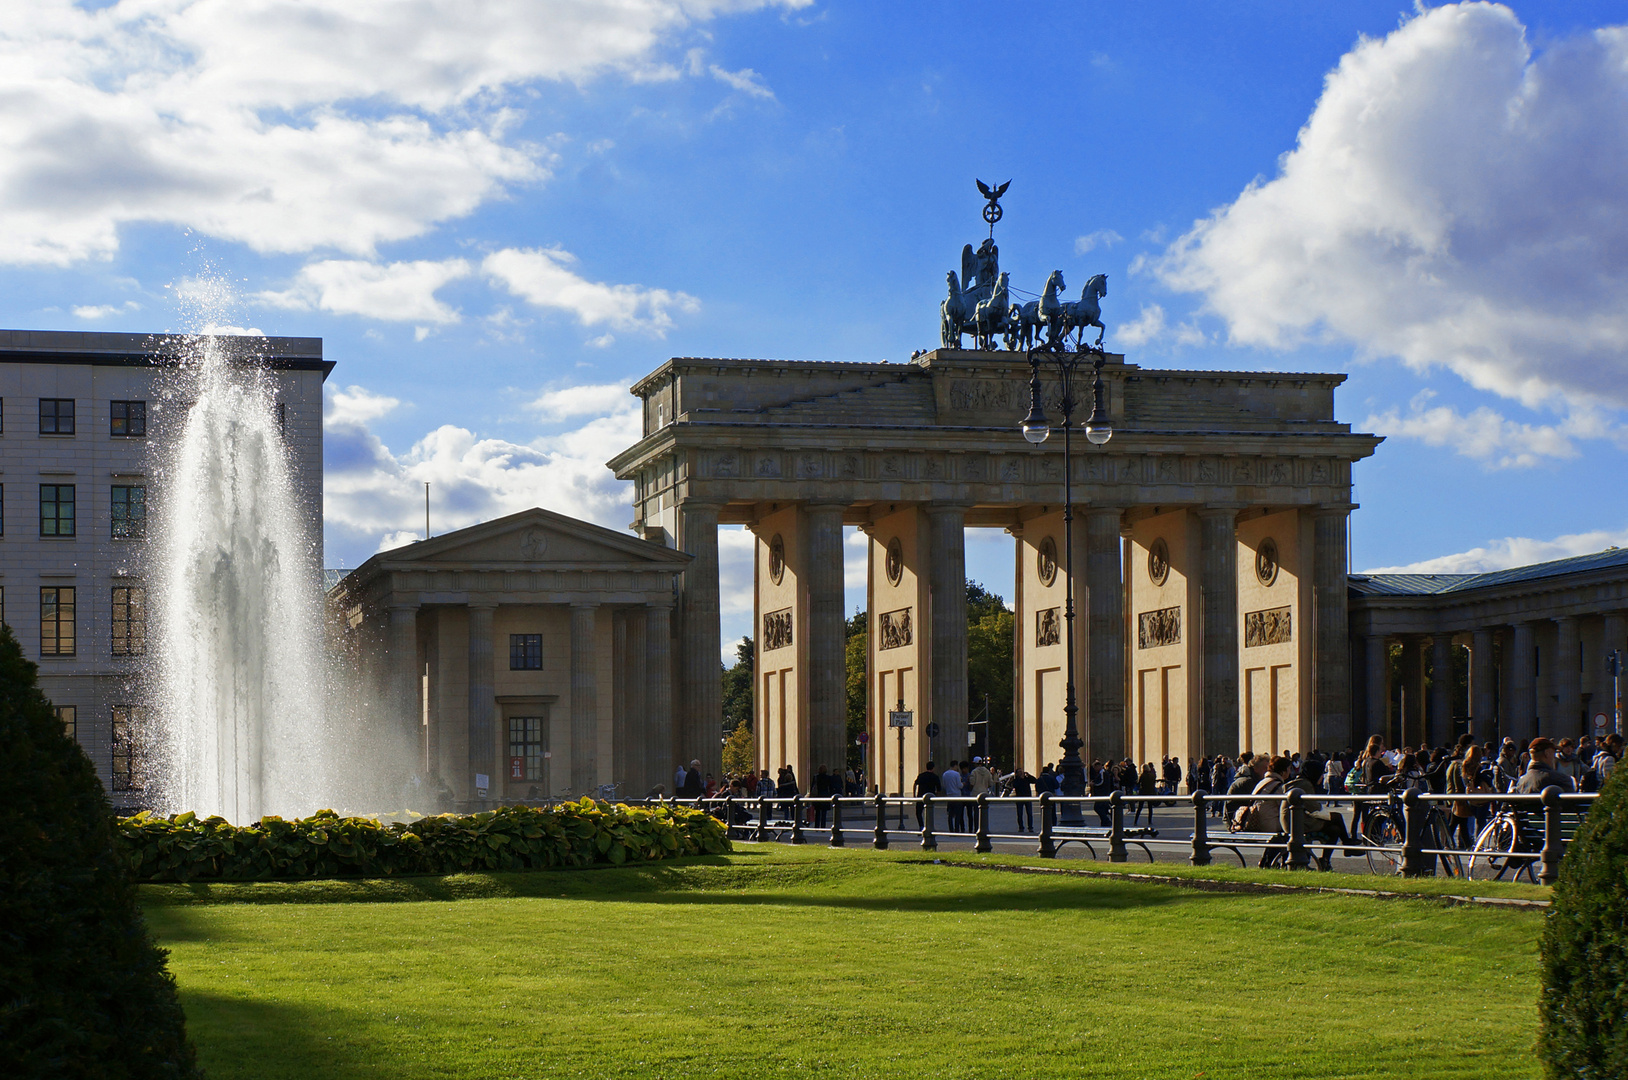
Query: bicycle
[1384, 826]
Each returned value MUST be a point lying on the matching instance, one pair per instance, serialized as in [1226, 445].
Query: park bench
[1085, 834]
[1235, 842]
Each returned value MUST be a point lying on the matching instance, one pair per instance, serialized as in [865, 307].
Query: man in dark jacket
[926, 784]
[695, 784]
[1541, 773]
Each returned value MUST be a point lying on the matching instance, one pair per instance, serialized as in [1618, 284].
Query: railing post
[1048, 850]
[762, 819]
[1413, 820]
[1201, 831]
[982, 844]
[729, 814]
[797, 820]
[836, 821]
[1116, 827]
[1554, 846]
[879, 836]
[1299, 857]
[929, 842]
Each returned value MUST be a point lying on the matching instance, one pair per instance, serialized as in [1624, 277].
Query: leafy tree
[739, 682]
[858, 639]
[1584, 1003]
[84, 992]
[990, 629]
[740, 755]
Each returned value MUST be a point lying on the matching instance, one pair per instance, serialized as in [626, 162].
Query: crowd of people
[1234, 784]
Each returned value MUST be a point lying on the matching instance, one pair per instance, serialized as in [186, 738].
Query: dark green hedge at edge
[325, 845]
[1584, 1007]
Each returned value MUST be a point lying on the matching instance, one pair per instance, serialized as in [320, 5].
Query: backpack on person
[1353, 781]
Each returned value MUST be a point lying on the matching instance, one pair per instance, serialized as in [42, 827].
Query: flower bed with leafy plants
[188, 848]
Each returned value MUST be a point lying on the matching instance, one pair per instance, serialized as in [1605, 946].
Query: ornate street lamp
[1098, 430]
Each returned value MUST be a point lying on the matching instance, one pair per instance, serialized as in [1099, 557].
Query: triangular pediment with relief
[538, 538]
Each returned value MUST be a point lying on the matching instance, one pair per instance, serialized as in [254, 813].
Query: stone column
[827, 640]
[482, 699]
[1521, 719]
[403, 677]
[660, 757]
[699, 723]
[1568, 681]
[1331, 644]
[584, 699]
[1410, 724]
[1614, 639]
[1483, 682]
[947, 580]
[1441, 690]
[1218, 602]
[1378, 665]
[619, 667]
[1103, 720]
[630, 725]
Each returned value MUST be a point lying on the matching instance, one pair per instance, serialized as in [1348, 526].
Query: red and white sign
[1601, 722]
[517, 768]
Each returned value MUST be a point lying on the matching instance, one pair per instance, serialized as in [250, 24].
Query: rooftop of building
[1439, 584]
[83, 347]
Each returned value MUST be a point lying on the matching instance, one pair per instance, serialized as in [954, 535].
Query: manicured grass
[778, 962]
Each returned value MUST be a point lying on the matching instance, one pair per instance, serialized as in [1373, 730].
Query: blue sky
[499, 214]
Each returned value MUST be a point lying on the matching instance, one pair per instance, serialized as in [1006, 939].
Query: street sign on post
[901, 718]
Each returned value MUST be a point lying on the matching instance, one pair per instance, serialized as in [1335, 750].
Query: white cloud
[291, 126]
[372, 492]
[102, 311]
[1455, 199]
[600, 399]
[1105, 238]
[1483, 434]
[402, 291]
[1513, 551]
[1149, 327]
[544, 278]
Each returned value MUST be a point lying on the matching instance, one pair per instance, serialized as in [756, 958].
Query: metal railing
[1397, 833]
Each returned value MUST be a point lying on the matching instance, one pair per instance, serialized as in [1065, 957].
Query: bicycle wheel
[1494, 854]
[1441, 838]
[1379, 832]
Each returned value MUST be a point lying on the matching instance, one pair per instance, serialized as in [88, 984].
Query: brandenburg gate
[1210, 551]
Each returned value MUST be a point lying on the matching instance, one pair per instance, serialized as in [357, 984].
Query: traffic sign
[862, 738]
[932, 730]
[901, 719]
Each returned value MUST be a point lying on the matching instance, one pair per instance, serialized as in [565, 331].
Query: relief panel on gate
[1268, 627]
[893, 627]
[1047, 627]
[777, 630]
[1157, 628]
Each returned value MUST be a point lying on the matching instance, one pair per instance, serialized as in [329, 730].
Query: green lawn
[781, 962]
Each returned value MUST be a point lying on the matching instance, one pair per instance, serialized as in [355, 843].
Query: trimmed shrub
[1584, 1002]
[84, 992]
[325, 845]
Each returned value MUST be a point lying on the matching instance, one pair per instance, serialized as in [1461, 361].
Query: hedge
[185, 847]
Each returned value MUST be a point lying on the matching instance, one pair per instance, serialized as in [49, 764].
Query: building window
[68, 716]
[525, 652]
[129, 512]
[56, 416]
[128, 418]
[129, 620]
[2, 509]
[126, 748]
[526, 747]
[56, 620]
[56, 510]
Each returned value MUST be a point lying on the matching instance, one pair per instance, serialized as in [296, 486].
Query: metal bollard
[982, 844]
[762, 820]
[879, 837]
[1299, 857]
[1554, 845]
[1116, 827]
[836, 821]
[797, 820]
[929, 842]
[1201, 831]
[729, 814]
[1413, 857]
[1048, 850]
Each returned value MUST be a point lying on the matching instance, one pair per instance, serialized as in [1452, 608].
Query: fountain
[238, 664]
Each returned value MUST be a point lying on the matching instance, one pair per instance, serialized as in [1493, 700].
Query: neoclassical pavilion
[533, 651]
[1535, 639]
[1209, 551]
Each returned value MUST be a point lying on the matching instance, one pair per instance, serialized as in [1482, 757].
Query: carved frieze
[1156, 628]
[975, 467]
[768, 466]
[1206, 471]
[726, 464]
[1268, 627]
[850, 468]
[1011, 470]
[1048, 627]
[777, 630]
[810, 466]
[894, 629]
[892, 467]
